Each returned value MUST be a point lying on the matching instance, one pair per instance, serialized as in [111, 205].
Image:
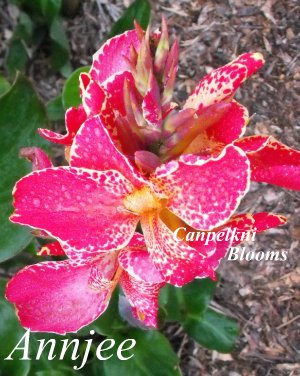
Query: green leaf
[4, 85]
[153, 356]
[71, 93]
[18, 51]
[139, 10]
[171, 299]
[110, 321]
[55, 109]
[21, 113]
[49, 9]
[44, 367]
[60, 48]
[17, 57]
[198, 294]
[213, 330]
[11, 333]
[193, 298]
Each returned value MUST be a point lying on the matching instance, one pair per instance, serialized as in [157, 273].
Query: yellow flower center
[142, 201]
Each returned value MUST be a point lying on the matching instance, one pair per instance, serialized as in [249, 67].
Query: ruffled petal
[141, 281]
[231, 126]
[94, 99]
[177, 262]
[271, 161]
[205, 192]
[114, 87]
[135, 260]
[221, 83]
[143, 298]
[56, 296]
[93, 148]
[248, 223]
[111, 57]
[74, 118]
[81, 208]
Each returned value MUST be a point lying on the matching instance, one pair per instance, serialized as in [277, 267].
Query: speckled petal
[93, 148]
[109, 59]
[135, 260]
[51, 249]
[81, 208]
[248, 223]
[143, 297]
[56, 297]
[221, 83]
[114, 87]
[141, 281]
[205, 192]
[231, 126]
[94, 99]
[271, 161]
[74, 118]
[176, 260]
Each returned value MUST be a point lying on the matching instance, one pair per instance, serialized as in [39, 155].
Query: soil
[263, 296]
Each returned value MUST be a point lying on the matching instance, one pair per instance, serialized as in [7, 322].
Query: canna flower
[94, 205]
[72, 294]
[130, 86]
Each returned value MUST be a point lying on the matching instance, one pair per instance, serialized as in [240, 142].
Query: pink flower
[130, 86]
[64, 296]
[94, 205]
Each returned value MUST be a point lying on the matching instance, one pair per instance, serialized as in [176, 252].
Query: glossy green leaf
[152, 356]
[10, 334]
[21, 113]
[192, 298]
[198, 294]
[4, 85]
[213, 330]
[71, 93]
[139, 10]
[55, 109]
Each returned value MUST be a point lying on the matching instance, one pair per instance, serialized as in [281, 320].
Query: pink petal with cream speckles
[135, 260]
[93, 148]
[109, 59]
[271, 161]
[52, 249]
[82, 208]
[94, 99]
[114, 87]
[143, 297]
[74, 118]
[257, 222]
[37, 157]
[205, 192]
[141, 281]
[232, 124]
[176, 260]
[57, 297]
[221, 83]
